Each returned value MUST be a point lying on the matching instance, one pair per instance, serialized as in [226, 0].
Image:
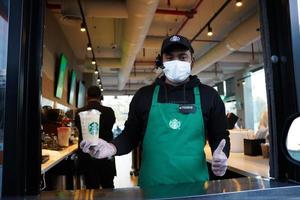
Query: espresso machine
[51, 120]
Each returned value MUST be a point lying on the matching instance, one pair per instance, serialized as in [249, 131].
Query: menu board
[72, 88]
[61, 76]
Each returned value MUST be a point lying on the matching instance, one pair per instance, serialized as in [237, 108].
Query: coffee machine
[52, 119]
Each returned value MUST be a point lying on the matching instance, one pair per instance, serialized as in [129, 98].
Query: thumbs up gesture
[219, 160]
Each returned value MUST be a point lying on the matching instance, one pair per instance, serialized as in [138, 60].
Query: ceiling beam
[140, 16]
[241, 57]
[92, 8]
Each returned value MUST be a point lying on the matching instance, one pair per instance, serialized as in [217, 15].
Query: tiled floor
[123, 178]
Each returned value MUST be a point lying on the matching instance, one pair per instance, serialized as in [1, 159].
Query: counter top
[243, 164]
[240, 188]
[56, 156]
[237, 162]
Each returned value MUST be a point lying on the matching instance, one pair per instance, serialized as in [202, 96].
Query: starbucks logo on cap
[175, 38]
[175, 124]
[93, 128]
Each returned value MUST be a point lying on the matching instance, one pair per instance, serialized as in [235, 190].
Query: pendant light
[209, 31]
[82, 28]
[238, 3]
[94, 61]
[89, 47]
[96, 71]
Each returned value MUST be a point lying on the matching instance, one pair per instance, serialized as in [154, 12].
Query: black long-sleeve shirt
[213, 111]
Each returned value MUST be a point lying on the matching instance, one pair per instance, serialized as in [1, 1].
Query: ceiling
[126, 37]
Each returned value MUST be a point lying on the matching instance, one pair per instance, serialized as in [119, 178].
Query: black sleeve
[131, 135]
[113, 118]
[111, 122]
[217, 125]
[78, 125]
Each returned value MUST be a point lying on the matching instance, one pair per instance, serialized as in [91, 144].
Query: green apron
[173, 145]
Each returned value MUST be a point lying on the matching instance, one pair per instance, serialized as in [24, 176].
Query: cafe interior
[113, 45]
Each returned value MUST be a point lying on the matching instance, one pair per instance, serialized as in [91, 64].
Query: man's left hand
[219, 160]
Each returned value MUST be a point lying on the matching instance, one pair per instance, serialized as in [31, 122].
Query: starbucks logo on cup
[93, 128]
[175, 124]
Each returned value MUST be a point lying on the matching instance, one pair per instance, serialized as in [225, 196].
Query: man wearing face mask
[172, 119]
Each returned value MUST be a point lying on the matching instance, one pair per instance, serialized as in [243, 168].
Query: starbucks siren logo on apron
[93, 128]
[175, 124]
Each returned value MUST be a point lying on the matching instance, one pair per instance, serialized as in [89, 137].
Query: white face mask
[177, 71]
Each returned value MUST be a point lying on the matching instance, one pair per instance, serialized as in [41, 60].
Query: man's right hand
[100, 149]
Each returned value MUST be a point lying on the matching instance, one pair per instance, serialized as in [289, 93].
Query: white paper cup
[90, 125]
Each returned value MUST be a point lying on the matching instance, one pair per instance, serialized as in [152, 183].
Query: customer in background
[97, 172]
[263, 128]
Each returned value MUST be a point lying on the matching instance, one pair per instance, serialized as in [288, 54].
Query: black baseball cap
[174, 40]
[94, 91]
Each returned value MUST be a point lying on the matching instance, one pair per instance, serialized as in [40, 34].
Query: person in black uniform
[97, 172]
[172, 119]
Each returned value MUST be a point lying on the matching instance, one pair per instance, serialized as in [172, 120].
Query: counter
[56, 156]
[244, 165]
[240, 188]
[237, 162]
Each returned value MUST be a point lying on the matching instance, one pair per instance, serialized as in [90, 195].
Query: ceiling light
[93, 61]
[82, 28]
[238, 3]
[98, 79]
[101, 89]
[89, 47]
[96, 71]
[209, 31]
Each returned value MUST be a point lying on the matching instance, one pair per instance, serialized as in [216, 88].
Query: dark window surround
[295, 31]
[21, 173]
[22, 145]
[280, 82]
